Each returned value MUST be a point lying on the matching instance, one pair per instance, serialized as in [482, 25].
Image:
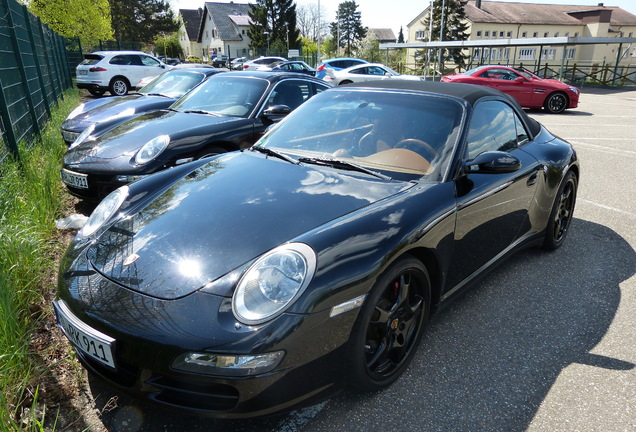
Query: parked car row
[252, 282]
[116, 141]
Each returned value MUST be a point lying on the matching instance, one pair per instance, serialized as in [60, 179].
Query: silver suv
[116, 71]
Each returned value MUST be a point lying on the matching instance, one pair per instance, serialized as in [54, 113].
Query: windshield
[173, 84]
[399, 134]
[232, 96]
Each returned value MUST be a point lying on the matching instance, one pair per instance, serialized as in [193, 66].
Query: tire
[556, 103]
[561, 214]
[95, 92]
[390, 325]
[119, 86]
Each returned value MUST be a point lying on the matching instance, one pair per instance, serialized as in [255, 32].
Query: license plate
[75, 180]
[86, 339]
[83, 72]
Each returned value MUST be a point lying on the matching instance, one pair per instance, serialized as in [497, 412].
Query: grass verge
[31, 199]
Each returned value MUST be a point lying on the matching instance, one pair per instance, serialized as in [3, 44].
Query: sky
[398, 13]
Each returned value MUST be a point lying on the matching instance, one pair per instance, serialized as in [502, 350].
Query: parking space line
[606, 207]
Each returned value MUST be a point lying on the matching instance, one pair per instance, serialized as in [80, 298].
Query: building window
[501, 34]
[479, 34]
[494, 34]
[570, 53]
[535, 34]
[526, 54]
[509, 35]
[486, 34]
[630, 34]
[548, 53]
[524, 34]
[419, 34]
[567, 34]
[207, 34]
[556, 34]
[576, 34]
[545, 34]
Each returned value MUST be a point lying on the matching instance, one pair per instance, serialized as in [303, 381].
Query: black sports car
[259, 280]
[96, 116]
[228, 111]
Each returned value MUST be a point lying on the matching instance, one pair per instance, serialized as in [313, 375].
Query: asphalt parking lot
[545, 343]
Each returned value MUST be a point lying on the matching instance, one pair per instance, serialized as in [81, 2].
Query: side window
[522, 134]
[291, 93]
[120, 60]
[374, 70]
[360, 71]
[149, 61]
[492, 127]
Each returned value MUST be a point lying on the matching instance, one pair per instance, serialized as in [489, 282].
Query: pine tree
[348, 29]
[455, 27]
[401, 36]
[142, 20]
[278, 18]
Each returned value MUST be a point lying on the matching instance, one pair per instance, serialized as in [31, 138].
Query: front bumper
[150, 333]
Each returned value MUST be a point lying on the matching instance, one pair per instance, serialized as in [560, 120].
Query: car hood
[223, 215]
[109, 109]
[115, 148]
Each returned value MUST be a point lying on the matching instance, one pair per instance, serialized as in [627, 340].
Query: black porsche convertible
[260, 280]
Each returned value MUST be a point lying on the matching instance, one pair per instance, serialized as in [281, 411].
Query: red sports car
[530, 90]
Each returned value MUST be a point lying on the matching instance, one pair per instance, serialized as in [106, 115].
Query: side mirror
[520, 80]
[493, 162]
[276, 112]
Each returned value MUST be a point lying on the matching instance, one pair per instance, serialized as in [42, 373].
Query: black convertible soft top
[471, 93]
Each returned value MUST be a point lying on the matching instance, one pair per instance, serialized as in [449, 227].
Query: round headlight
[104, 211]
[83, 136]
[151, 149]
[273, 282]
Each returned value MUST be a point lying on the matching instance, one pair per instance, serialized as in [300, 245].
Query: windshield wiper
[202, 112]
[340, 164]
[270, 152]
[157, 94]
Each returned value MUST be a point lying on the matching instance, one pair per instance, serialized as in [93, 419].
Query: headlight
[152, 148]
[83, 136]
[273, 282]
[104, 211]
[77, 111]
[575, 90]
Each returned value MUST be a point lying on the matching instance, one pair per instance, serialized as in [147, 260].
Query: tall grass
[31, 197]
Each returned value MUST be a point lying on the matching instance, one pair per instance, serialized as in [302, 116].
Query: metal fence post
[37, 60]
[21, 68]
[8, 127]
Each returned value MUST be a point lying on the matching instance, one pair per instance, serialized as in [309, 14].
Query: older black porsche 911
[262, 279]
[227, 112]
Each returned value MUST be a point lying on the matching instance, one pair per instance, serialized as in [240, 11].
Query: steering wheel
[421, 145]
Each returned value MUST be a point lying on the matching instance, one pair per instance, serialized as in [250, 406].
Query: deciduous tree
[87, 19]
[278, 19]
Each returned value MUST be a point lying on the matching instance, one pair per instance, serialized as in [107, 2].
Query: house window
[486, 34]
[479, 34]
[509, 35]
[207, 34]
[576, 34]
[524, 34]
[545, 34]
[567, 34]
[548, 53]
[526, 54]
[501, 34]
[556, 34]
[570, 53]
[535, 34]
[630, 34]
[419, 34]
[494, 34]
